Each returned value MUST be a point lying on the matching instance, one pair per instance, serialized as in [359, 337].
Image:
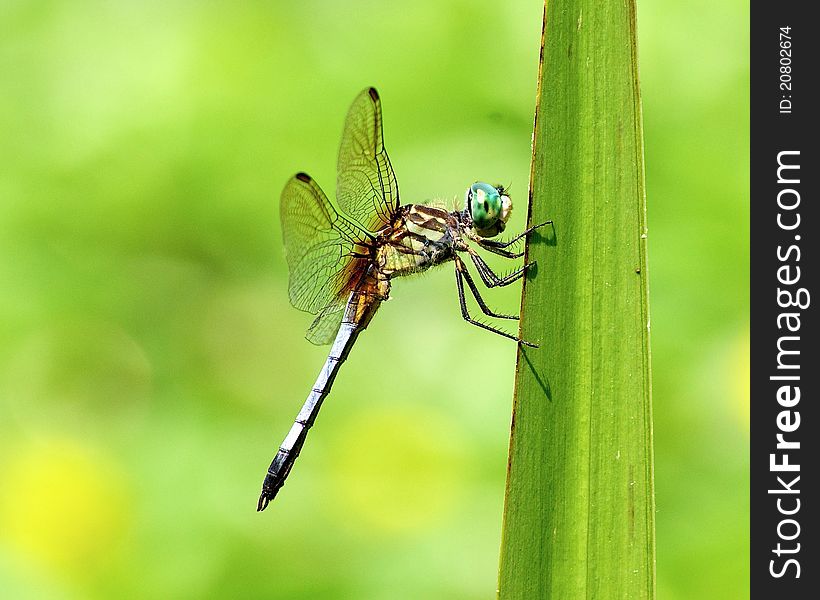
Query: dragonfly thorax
[421, 236]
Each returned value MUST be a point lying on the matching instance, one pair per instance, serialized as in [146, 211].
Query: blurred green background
[150, 362]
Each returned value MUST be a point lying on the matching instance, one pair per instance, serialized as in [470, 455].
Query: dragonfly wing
[325, 326]
[319, 246]
[366, 185]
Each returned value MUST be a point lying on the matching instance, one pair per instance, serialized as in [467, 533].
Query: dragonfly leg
[490, 278]
[494, 244]
[499, 247]
[461, 272]
[496, 250]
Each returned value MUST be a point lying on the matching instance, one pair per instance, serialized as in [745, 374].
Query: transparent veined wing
[320, 249]
[366, 186]
[326, 325]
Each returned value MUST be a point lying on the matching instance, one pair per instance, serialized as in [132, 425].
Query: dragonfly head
[489, 207]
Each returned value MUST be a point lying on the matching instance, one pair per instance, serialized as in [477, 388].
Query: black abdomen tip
[269, 489]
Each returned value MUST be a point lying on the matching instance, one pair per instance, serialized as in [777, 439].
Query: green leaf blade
[579, 510]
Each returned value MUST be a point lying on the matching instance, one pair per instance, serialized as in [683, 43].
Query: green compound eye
[485, 205]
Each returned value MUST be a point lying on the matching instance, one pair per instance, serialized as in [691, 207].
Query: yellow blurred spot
[61, 504]
[741, 377]
[397, 470]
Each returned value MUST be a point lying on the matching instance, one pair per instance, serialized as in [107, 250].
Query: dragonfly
[341, 262]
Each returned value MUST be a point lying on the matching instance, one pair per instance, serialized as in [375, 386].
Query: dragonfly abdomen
[292, 444]
[361, 306]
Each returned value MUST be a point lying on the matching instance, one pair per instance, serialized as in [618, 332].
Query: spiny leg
[490, 278]
[494, 244]
[461, 268]
[461, 271]
[496, 250]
